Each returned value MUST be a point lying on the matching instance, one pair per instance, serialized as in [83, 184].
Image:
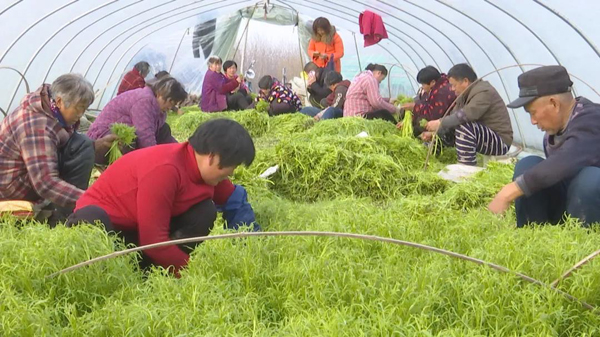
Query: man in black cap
[170, 191]
[568, 180]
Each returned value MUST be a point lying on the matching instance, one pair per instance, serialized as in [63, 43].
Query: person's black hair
[228, 64]
[310, 66]
[428, 74]
[377, 67]
[226, 138]
[169, 88]
[333, 77]
[266, 82]
[462, 71]
[161, 74]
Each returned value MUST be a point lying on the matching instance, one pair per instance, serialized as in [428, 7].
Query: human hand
[408, 106]
[433, 125]
[104, 143]
[399, 125]
[499, 204]
[426, 136]
[504, 198]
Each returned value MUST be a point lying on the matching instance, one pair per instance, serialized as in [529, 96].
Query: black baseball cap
[542, 81]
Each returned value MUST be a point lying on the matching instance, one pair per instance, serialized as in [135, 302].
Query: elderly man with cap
[169, 191]
[568, 180]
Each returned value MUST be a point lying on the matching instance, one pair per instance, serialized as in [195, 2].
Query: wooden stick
[575, 267]
[326, 234]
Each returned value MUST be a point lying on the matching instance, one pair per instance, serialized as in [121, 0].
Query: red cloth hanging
[372, 27]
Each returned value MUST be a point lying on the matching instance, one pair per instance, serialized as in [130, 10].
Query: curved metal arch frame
[81, 31]
[420, 31]
[346, 19]
[10, 6]
[409, 77]
[157, 18]
[397, 30]
[148, 25]
[487, 56]
[508, 49]
[52, 37]
[336, 15]
[152, 32]
[526, 27]
[111, 27]
[33, 25]
[417, 18]
[570, 25]
[399, 47]
[116, 65]
[125, 69]
[27, 89]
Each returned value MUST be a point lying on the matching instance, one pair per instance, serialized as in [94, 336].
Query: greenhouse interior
[299, 168]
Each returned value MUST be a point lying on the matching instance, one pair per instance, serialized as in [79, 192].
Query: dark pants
[382, 114]
[196, 221]
[238, 101]
[75, 164]
[578, 197]
[281, 108]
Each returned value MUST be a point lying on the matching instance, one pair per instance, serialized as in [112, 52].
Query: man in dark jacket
[480, 117]
[316, 83]
[334, 103]
[568, 180]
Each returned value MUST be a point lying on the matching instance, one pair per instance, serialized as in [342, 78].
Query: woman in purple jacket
[145, 109]
[216, 86]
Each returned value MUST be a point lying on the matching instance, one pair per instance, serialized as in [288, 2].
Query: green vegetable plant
[125, 137]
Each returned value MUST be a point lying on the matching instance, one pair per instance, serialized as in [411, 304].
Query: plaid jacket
[131, 80]
[363, 96]
[30, 138]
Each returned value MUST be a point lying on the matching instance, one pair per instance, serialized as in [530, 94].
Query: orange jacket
[331, 44]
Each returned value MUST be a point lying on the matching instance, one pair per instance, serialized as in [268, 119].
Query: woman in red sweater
[169, 191]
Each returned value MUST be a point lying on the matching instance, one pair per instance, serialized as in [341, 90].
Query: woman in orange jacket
[324, 43]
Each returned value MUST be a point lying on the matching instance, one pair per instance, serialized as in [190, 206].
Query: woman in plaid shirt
[43, 159]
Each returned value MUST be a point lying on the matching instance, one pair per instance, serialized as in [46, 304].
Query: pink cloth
[363, 96]
[372, 27]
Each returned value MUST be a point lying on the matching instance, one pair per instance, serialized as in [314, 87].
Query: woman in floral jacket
[280, 98]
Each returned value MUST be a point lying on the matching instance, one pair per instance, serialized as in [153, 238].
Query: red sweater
[144, 189]
[132, 80]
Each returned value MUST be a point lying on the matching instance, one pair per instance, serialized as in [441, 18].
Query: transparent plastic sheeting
[102, 39]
